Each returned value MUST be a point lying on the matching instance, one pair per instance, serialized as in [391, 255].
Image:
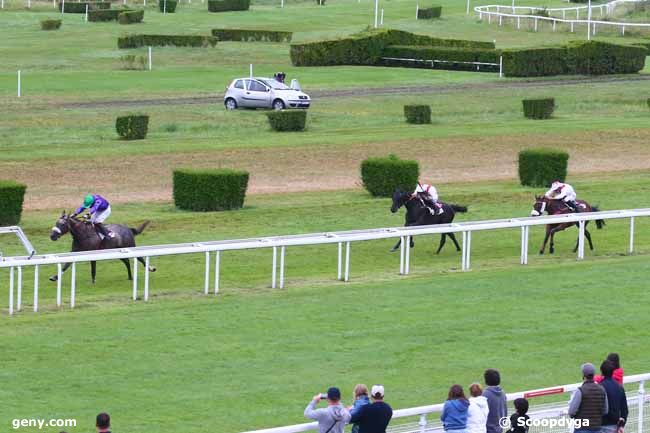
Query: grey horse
[86, 238]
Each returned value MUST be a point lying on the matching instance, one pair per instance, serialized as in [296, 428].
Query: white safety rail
[427, 417]
[433, 63]
[583, 16]
[21, 236]
[343, 239]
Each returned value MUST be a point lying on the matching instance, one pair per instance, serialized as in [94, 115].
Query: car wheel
[230, 104]
[278, 104]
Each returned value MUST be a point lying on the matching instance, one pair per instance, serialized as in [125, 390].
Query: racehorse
[558, 207]
[86, 238]
[418, 214]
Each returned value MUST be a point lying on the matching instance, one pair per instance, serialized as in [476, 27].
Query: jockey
[99, 210]
[565, 192]
[429, 195]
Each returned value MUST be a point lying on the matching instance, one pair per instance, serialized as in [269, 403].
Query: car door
[257, 94]
[238, 91]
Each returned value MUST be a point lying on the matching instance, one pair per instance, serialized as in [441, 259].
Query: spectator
[478, 410]
[519, 419]
[103, 423]
[331, 419]
[618, 371]
[360, 399]
[496, 399]
[588, 403]
[454, 412]
[374, 417]
[614, 420]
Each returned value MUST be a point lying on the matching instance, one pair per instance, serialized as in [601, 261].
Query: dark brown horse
[558, 207]
[86, 238]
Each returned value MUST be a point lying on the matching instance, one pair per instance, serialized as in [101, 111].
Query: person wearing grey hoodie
[496, 399]
[331, 419]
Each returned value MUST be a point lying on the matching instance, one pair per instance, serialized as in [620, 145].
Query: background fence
[426, 418]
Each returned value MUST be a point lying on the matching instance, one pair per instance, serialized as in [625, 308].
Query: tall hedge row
[105, 15]
[243, 35]
[137, 41]
[209, 190]
[382, 176]
[228, 5]
[12, 195]
[429, 13]
[539, 167]
[131, 17]
[72, 7]
[578, 57]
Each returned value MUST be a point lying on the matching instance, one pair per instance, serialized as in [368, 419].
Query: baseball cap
[377, 390]
[334, 393]
[588, 369]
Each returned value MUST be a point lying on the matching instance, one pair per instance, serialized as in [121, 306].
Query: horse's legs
[399, 242]
[551, 247]
[412, 242]
[588, 236]
[65, 268]
[548, 234]
[93, 270]
[127, 263]
[151, 268]
[453, 238]
[443, 239]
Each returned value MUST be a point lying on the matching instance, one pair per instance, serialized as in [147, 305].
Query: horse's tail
[599, 223]
[456, 208]
[140, 229]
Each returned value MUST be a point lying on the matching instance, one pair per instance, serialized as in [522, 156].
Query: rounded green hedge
[538, 108]
[50, 24]
[382, 176]
[169, 8]
[133, 126]
[287, 120]
[131, 17]
[417, 114]
[429, 13]
[539, 167]
[12, 195]
[209, 189]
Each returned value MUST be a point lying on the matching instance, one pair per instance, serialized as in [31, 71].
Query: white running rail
[343, 240]
[637, 404]
[519, 13]
[21, 236]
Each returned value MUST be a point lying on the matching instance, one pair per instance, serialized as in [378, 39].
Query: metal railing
[516, 13]
[638, 419]
[279, 244]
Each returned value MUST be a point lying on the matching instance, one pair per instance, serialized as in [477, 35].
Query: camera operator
[331, 419]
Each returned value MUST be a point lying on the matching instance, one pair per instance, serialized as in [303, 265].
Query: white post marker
[339, 275]
[217, 271]
[641, 403]
[150, 63]
[513, 6]
[11, 291]
[417, 10]
[275, 266]
[207, 273]
[146, 278]
[2, 4]
[281, 3]
[73, 285]
[86, 17]
[62, 6]
[251, 71]
[19, 299]
[282, 253]
[59, 273]
[467, 12]
[376, 12]
[29, 4]
[164, 7]
[588, 21]
[347, 262]
[407, 259]
[135, 278]
[631, 248]
[36, 289]
[19, 84]
[381, 22]
[581, 240]
[500, 66]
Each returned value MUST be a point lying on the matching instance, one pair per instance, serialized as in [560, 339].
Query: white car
[257, 92]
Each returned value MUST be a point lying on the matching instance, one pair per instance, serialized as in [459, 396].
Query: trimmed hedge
[228, 5]
[578, 57]
[50, 24]
[382, 176]
[422, 57]
[170, 7]
[429, 13]
[105, 15]
[367, 48]
[130, 17]
[417, 114]
[80, 8]
[539, 167]
[209, 190]
[12, 195]
[133, 126]
[287, 120]
[539, 108]
[137, 41]
[252, 35]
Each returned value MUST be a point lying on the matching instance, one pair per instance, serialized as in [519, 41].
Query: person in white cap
[374, 417]
[429, 194]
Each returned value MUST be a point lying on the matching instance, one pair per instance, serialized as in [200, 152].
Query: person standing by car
[331, 419]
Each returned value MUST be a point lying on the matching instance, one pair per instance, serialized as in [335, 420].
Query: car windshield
[276, 85]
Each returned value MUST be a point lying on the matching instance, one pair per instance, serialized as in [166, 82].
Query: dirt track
[344, 93]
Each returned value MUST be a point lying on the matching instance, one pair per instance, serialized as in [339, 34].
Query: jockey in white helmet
[565, 192]
[430, 196]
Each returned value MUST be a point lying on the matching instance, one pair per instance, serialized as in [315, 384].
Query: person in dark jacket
[614, 420]
[374, 417]
[496, 398]
[454, 412]
[519, 419]
[103, 423]
[360, 399]
[588, 403]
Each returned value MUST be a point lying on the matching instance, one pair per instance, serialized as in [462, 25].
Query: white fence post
[423, 423]
[150, 58]
[146, 278]
[19, 84]
[275, 265]
[402, 243]
[164, 7]
[11, 291]
[339, 275]
[500, 66]
[19, 298]
[581, 240]
[62, 7]
[407, 254]
[467, 11]
[376, 12]
[417, 10]
[217, 271]
[641, 405]
[524, 246]
[86, 16]
[59, 274]
[73, 285]
[282, 253]
[381, 22]
[347, 262]
[206, 286]
[631, 249]
[36, 289]
[135, 278]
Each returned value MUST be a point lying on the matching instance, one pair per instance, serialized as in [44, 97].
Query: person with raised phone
[334, 417]
[374, 417]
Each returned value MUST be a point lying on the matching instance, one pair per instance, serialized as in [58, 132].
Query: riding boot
[441, 209]
[103, 230]
[574, 206]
